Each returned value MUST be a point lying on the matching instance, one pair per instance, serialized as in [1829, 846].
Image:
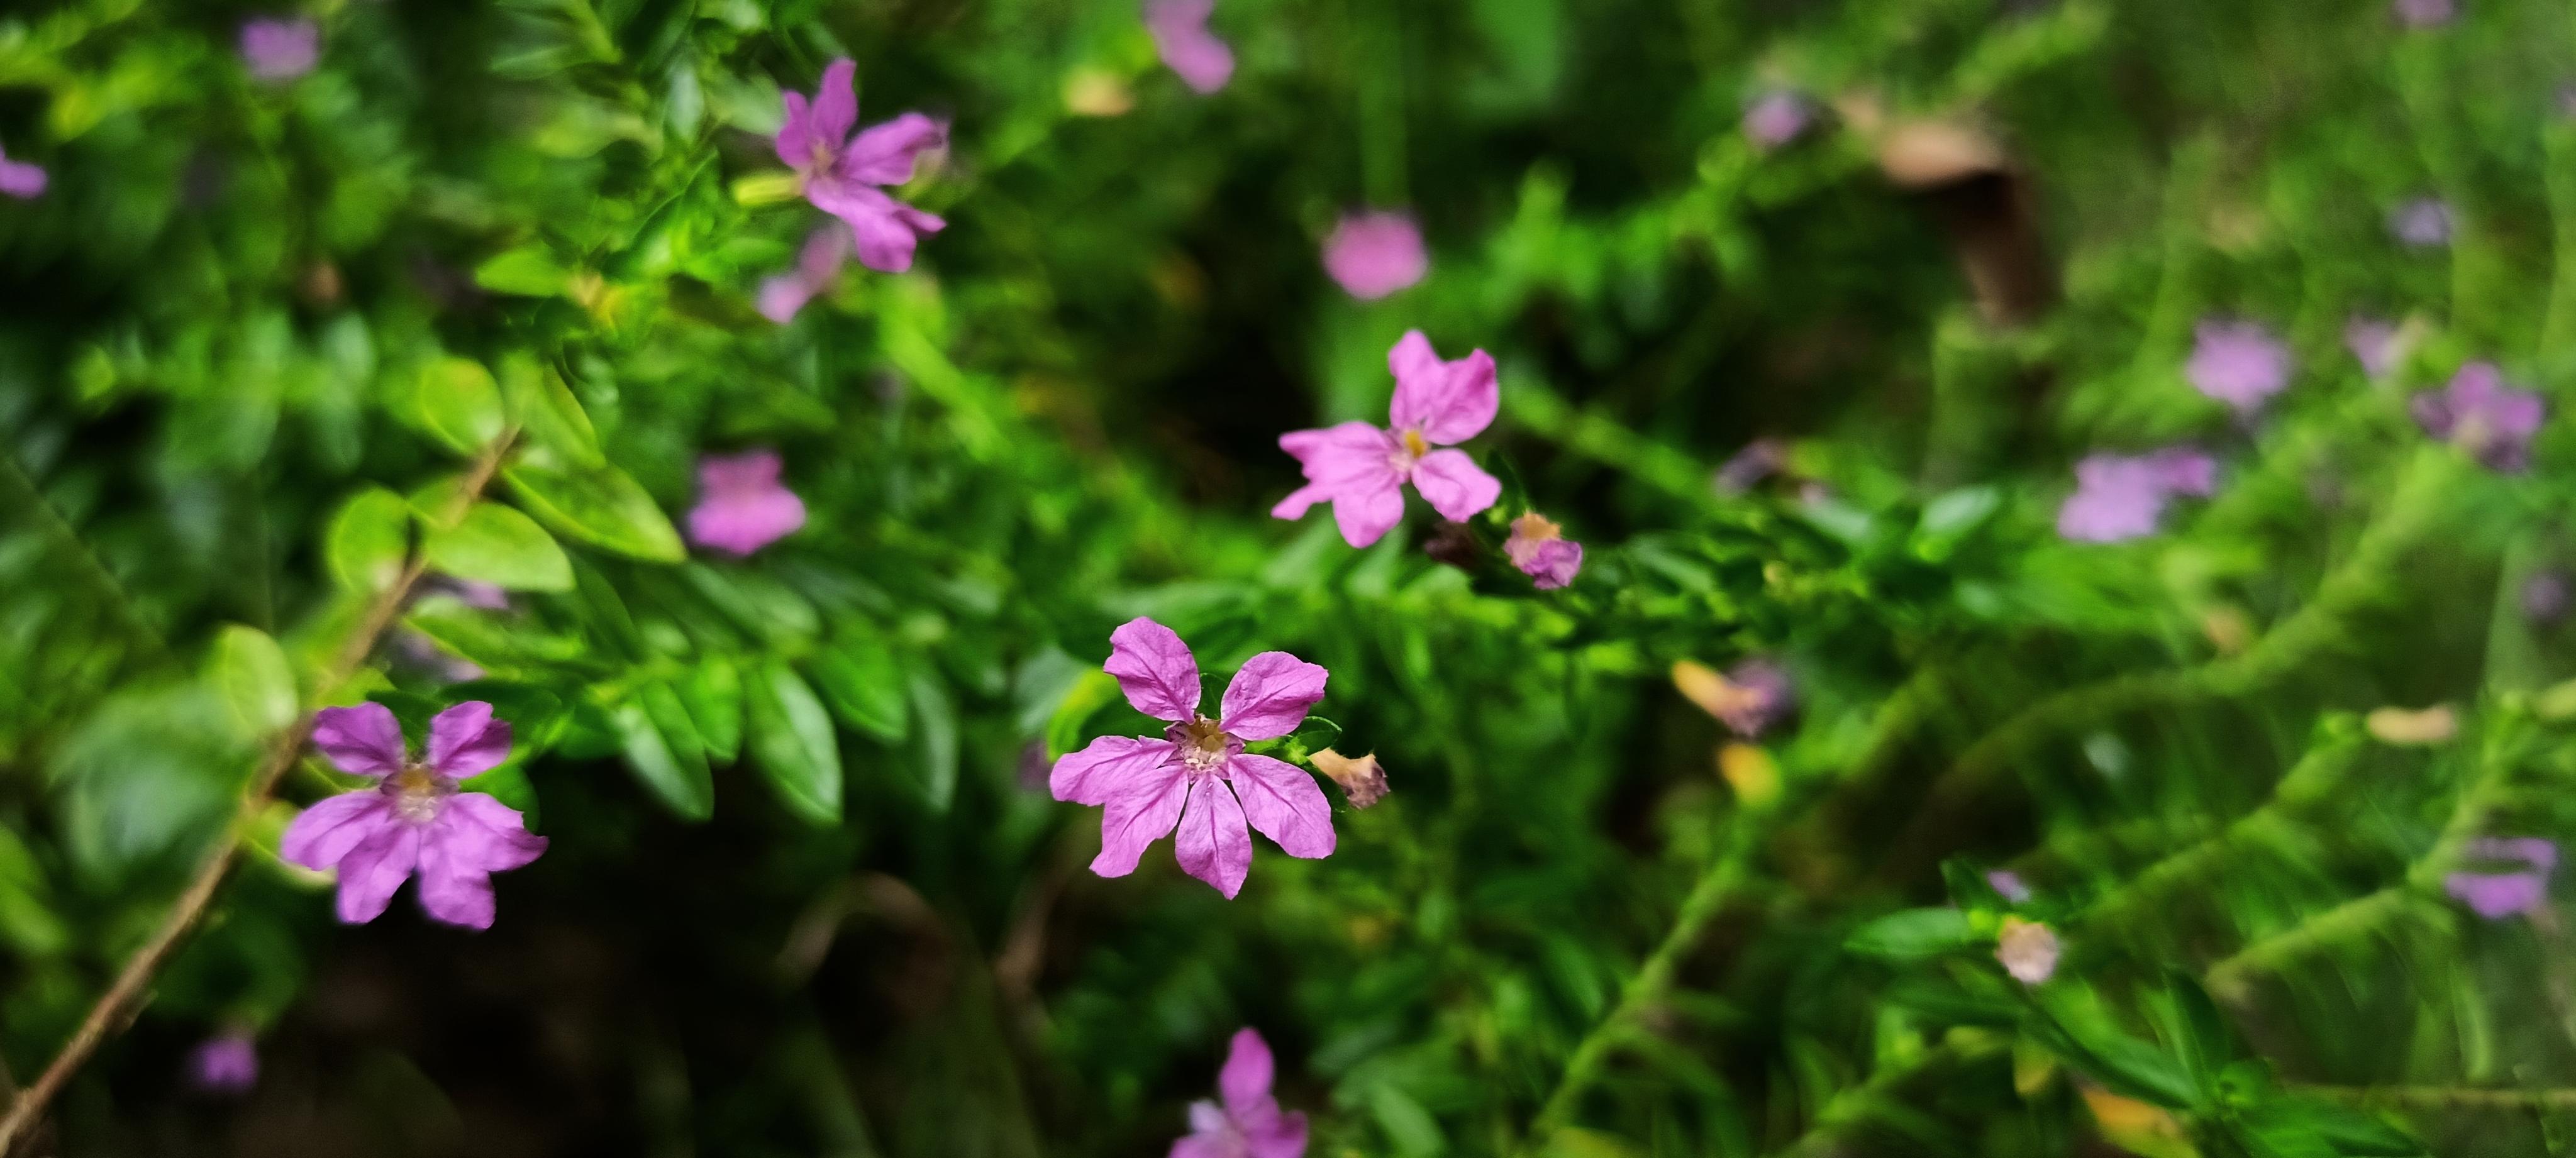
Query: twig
[2460, 1097]
[116, 1007]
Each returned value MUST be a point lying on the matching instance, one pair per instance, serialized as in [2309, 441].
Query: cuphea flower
[1362, 780]
[741, 508]
[2497, 895]
[826, 251]
[1361, 469]
[1247, 1122]
[1198, 774]
[2009, 885]
[2423, 13]
[20, 179]
[1775, 118]
[2238, 363]
[2479, 414]
[2120, 496]
[2374, 343]
[1181, 37]
[1375, 254]
[842, 172]
[2027, 949]
[227, 1063]
[2423, 223]
[280, 50]
[1748, 699]
[414, 819]
[1538, 547]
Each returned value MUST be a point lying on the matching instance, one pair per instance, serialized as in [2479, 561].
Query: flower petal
[1212, 844]
[324, 833]
[887, 229]
[1155, 669]
[1094, 774]
[795, 142]
[1285, 804]
[836, 103]
[1454, 485]
[1301, 500]
[1284, 1136]
[494, 834]
[465, 741]
[740, 524]
[783, 297]
[1270, 695]
[884, 154]
[1367, 514]
[1244, 1082]
[1182, 39]
[363, 739]
[452, 887]
[20, 179]
[371, 872]
[1138, 812]
[1449, 402]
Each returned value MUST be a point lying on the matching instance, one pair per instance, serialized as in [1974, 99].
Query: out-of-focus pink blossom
[2479, 414]
[2497, 895]
[2422, 223]
[2238, 363]
[2423, 13]
[1361, 468]
[2121, 496]
[817, 268]
[1540, 549]
[1749, 698]
[2009, 885]
[1181, 37]
[20, 179]
[1760, 459]
[1246, 1121]
[2545, 596]
[844, 174]
[2373, 342]
[226, 1064]
[1198, 776]
[413, 820]
[280, 50]
[1375, 254]
[1775, 118]
[741, 505]
[2028, 950]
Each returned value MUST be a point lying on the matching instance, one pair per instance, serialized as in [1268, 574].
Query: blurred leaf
[791, 739]
[598, 505]
[528, 270]
[934, 742]
[865, 683]
[713, 693]
[461, 404]
[663, 747]
[251, 672]
[368, 540]
[1914, 934]
[546, 411]
[2300, 1126]
[500, 546]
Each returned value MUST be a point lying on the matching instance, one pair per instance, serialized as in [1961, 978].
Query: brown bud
[1360, 777]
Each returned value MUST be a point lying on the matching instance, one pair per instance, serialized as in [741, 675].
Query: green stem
[2446, 1097]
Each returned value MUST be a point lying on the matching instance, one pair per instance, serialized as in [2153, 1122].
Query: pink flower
[225, 1064]
[2009, 885]
[1775, 118]
[414, 819]
[2478, 413]
[2238, 363]
[2422, 223]
[2497, 895]
[2373, 343]
[1361, 469]
[741, 508]
[2120, 496]
[2423, 13]
[20, 179]
[842, 172]
[1198, 774]
[816, 269]
[280, 50]
[1247, 1124]
[2028, 950]
[1375, 254]
[1538, 547]
[1181, 37]
[1760, 459]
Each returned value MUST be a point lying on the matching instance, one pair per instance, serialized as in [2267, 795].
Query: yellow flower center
[416, 793]
[1202, 743]
[1414, 446]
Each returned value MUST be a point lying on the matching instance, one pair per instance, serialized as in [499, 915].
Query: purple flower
[1375, 254]
[1538, 547]
[2422, 13]
[1247, 1123]
[1748, 699]
[2238, 363]
[2009, 885]
[843, 172]
[20, 179]
[2478, 413]
[2497, 895]
[2120, 496]
[1181, 37]
[280, 50]
[1361, 469]
[816, 269]
[2423, 223]
[1759, 459]
[741, 508]
[413, 819]
[2373, 343]
[1775, 118]
[1198, 774]
[2545, 596]
[227, 1064]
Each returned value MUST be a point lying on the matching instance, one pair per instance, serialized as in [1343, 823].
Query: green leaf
[791, 739]
[498, 545]
[864, 681]
[2286, 1123]
[713, 693]
[251, 673]
[528, 271]
[663, 747]
[934, 742]
[461, 404]
[600, 505]
[547, 412]
[368, 540]
[2083, 1032]
[1913, 934]
[1095, 690]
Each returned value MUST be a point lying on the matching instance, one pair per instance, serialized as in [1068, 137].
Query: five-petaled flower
[1182, 39]
[842, 172]
[1540, 549]
[413, 819]
[1198, 774]
[2120, 496]
[20, 179]
[2479, 414]
[1372, 255]
[741, 506]
[1247, 1123]
[782, 296]
[1361, 469]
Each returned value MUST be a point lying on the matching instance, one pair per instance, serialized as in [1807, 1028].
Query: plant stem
[2455, 1097]
[116, 1007]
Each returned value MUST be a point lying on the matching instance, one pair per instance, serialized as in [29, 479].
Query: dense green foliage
[475, 295]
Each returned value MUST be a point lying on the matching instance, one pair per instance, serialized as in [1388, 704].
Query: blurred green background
[807, 893]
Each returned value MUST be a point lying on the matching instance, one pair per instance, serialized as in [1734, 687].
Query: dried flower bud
[2399, 726]
[1360, 777]
[1752, 772]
